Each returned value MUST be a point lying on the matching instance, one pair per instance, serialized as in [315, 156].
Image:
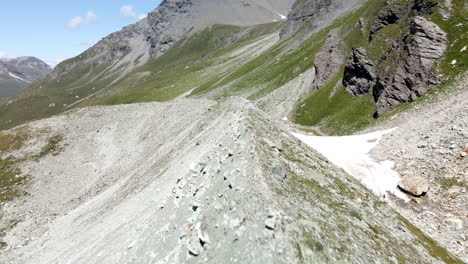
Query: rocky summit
[251, 131]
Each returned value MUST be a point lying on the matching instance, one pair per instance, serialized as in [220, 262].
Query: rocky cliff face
[17, 73]
[424, 45]
[406, 70]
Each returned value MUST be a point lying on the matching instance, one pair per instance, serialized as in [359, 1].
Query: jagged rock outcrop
[414, 75]
[405, 71]
[17, 73]
[316, 14]
[329, 59]
[359, 75]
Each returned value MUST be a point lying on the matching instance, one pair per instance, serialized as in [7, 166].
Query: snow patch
[283, 17]
[352, 154]
[18, 78]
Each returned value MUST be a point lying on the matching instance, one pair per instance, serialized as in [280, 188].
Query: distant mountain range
[18, 73]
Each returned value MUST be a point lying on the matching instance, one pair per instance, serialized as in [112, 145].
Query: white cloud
[6, 55]
[88, 43]
[129, 12]
[77, 21]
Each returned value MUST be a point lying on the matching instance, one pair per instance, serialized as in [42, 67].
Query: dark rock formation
[393, 13]
[359, 75]
[414, 75]
[423, 7]
[329, 59]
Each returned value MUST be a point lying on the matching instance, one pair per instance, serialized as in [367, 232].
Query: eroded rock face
[359, 75]
[425, 44]
[329, 59]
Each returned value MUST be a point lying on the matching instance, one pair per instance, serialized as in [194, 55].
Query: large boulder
[414, 185]
[359, 75]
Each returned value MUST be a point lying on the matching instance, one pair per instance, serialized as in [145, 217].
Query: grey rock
[359, 75]
[362, 25]
[270, 223]
[425, 44]
[456, 223]
[414, 185]
[329, 59]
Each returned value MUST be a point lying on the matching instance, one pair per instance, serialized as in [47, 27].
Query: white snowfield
[18, 78]
[351, 153]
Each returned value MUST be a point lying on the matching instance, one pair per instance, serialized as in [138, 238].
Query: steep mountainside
[118, 54]
[15, 74]
[134, 45]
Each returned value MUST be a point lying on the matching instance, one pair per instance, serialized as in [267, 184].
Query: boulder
[414, 185]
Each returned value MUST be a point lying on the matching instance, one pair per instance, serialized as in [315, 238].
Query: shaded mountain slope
[16, 74]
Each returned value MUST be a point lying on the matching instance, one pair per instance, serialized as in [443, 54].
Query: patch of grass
[4, 229]
[447, 183]
[300, 256]
[455, 27]
[312, 243]
[53, 147]
[429, 244]
[10, 181]
[337, 112]
[13, 140]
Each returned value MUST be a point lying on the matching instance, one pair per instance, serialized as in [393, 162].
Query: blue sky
[54, 30]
